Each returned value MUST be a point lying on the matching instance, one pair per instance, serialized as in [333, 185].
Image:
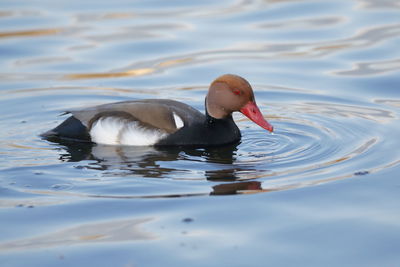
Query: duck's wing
[165, 115]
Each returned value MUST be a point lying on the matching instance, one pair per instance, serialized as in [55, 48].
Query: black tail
[71, 129]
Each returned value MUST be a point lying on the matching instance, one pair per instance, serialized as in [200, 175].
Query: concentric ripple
[320, 142]
[317, 140]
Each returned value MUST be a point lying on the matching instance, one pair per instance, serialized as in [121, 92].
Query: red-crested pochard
[163, 122]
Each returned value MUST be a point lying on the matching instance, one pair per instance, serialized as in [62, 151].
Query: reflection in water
[390, 102]
[135, 158]
[100, 232]
[320, 146]
[366, 38]
[217, 164]
[147, 161]
[302, 23]
[316, 134]
[380, 4]
[340, 122]
[237, 188]
[127, 73]
[31, 33]
[350, 111]
[372, 68]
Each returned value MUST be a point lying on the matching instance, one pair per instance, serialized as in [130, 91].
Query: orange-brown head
[229, 93]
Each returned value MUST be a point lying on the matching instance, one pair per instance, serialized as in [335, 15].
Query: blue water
[321, 191]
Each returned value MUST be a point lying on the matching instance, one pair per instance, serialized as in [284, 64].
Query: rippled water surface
[323, 190]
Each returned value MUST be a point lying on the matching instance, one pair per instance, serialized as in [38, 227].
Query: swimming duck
[163, 122]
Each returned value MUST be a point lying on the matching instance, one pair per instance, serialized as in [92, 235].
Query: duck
[166, 122]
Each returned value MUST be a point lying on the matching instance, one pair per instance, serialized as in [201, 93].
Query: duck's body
[163, 122]
[146, 122]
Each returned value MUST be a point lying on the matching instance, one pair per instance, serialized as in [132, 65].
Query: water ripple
[314, 142]
[261, 51]
[320, 136]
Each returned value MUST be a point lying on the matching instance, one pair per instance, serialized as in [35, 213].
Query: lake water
[323, 190]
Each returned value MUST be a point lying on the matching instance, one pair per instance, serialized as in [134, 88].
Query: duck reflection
[216, 163]
[237, 188]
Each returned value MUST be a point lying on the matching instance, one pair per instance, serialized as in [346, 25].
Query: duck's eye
[236, 91]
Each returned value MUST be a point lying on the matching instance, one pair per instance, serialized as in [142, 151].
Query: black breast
[205, 132]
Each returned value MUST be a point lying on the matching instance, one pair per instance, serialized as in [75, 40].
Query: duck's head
[229, 93]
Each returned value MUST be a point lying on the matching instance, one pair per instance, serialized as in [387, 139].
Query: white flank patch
[106, 130]
[117, 131]
[134, 135]
[178, 121]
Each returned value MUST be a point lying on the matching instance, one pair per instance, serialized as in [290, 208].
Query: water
[321, 191]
